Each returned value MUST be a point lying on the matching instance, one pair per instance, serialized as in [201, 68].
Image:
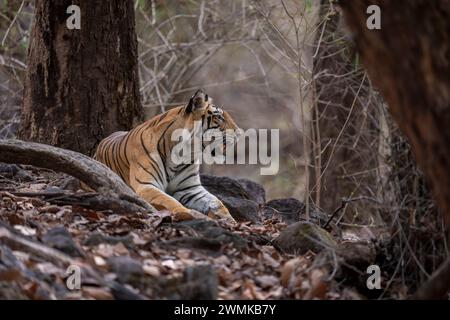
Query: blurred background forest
[273, 64]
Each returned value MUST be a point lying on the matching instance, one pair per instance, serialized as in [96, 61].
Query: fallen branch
[54, 256]
[16, 242]
[111, 187]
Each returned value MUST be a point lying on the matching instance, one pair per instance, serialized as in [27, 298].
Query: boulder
[242, 209]
[300, 237]
[242, 198]
[254, 190]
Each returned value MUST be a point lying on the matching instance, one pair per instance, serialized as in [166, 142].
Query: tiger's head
[215, 122]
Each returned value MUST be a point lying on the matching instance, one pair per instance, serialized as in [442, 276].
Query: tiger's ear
[197, 102]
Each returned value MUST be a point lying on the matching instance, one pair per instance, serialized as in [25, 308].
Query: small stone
[96, 238]
[300, 237]
[127, 269]
[59, 238]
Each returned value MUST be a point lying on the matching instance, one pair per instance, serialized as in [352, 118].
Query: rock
[223, 187]
[14, 171]
[198, 283]
[60, 239]
[242, 198]
[211, 230]
[195, 243]
[300, 237]
[24, 176]
[254, 190]
[9, 170]
[357, 254]
[120, 292]
[97, 238]
[8, 261]
[292, 210]
[353, 259]
[127, 269]
[69, 183]
[241, 209]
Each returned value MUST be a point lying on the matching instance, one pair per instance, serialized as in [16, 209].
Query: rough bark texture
[93, 173]
[408, 61]
[82, 84]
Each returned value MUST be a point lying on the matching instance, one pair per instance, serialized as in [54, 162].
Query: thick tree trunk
[408, 61]
[81, 84]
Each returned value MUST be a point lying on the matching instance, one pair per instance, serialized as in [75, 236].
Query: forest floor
[45, 230]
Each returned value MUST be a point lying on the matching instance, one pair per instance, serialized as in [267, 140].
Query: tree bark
[81, 85]
[408, 61]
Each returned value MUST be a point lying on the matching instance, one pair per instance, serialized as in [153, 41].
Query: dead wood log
[20, 243]
[97, 176]
[16, 242]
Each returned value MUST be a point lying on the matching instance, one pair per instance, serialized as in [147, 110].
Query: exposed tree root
[112, 190]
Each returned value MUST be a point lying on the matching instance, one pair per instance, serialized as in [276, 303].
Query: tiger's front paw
[188, 214]
[221, 213]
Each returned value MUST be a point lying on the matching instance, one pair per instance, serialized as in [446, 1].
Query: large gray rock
[254, 190]
[242, 209]
[300, 237]
[223, 187]
[243, 197]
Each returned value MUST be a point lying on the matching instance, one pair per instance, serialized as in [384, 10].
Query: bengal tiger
[142, 158]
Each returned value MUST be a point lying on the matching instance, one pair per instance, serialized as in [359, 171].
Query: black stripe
[161, 118]
[115, 158]
[151, 159]
[150, 173]
[191, 197]
[143, 182]
[125, 148]
[108, 145]
[181, 167]
[162, 154]
[187, 178]
[187, 188]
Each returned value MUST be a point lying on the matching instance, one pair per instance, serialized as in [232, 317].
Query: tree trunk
[81, 84]
[408, 61]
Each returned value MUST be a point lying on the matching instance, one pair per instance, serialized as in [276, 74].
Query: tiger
[142, 158]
